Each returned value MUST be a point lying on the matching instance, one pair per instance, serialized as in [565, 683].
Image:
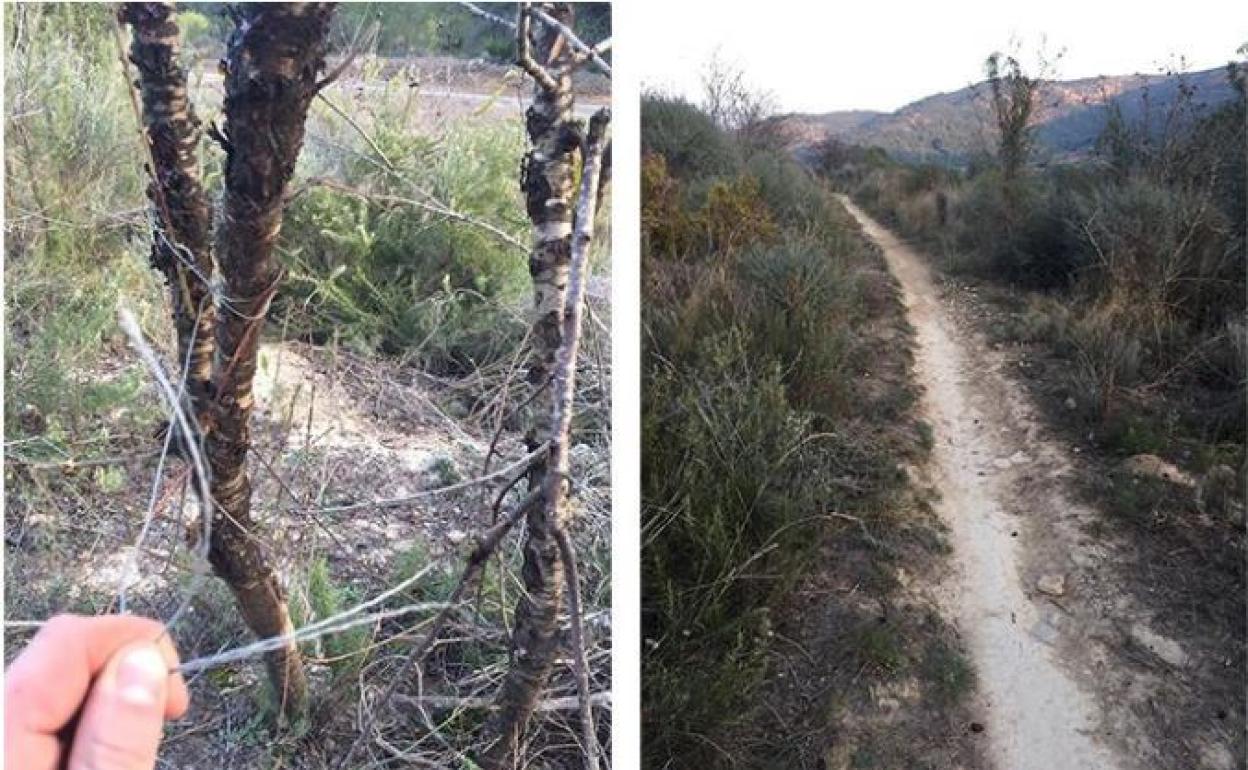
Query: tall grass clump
[751, 307]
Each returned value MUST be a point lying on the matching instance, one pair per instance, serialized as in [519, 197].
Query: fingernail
[141, 676]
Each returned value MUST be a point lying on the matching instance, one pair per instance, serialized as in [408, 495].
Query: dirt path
[1033, 670]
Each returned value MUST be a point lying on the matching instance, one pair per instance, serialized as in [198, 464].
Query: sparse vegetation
[1135, 260]
[1113, 284]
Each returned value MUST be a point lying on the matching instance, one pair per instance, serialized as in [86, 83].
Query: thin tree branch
[479, 11]
[329, 79]
[435, 208]
[581, 48]
[524, 49]
[476, 562]
[572, 575]
[517, 468]
[598, 699]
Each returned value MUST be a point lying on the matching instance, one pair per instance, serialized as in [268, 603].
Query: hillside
[952, 127]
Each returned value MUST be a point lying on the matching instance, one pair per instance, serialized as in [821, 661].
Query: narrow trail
[1033, 678]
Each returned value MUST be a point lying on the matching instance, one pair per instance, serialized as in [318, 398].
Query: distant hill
[951, 127]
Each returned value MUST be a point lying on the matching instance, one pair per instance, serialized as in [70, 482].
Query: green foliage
[948, 673]
[880, 646]
[388, 275]
[448, 28]
[685, 137]
[199, 30]
[70, 257]
[109, 479]
[751, 307]
[440, 582]
[326, 598]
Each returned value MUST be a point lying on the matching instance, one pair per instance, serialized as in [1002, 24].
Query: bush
[725, 492]
[752, 314]
[685, 136]
[801, 306]
[390, 276]
[1163, 254]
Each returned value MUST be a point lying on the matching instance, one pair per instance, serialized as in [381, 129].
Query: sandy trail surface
[1035, 668]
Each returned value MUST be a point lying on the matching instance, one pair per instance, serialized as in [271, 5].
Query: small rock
[1044, 632]
[32, 420]
[1168, 650]
[1152, 466]
[1216, 495]
[1053, 585]
[456, 536]
[1215, 756]
[1020, 458]
[903, 577]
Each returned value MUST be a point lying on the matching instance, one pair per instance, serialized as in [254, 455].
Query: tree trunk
[547, 183]
[274, 56]
[181, 234]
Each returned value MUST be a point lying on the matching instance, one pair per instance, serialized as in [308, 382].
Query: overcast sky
[822, 56]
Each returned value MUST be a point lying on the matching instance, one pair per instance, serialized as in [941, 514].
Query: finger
[71, 650]
[124, 715]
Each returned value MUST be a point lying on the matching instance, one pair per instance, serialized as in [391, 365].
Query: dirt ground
[442, 89]
[331, 430]
[1095, 645]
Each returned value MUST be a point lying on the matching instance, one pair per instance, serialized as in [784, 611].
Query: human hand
[91, 693]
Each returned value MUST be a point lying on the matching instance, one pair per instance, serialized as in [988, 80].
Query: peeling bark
[181, 237]
[274, 56]
[547, 182]
[555, 492]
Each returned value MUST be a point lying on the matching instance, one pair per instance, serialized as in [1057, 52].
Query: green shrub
[752, 309]
[801, 308]
[685, 136]
[392, 276]
[1161, 252]
[723, 485]
[326, 598]
[73, 249]
[794, 196]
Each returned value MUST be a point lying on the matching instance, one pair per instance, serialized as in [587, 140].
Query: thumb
[123, 718]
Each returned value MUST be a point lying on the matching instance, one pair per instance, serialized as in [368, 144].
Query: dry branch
[583, 51]
[477, 560]
[597, 700]
[565, 388]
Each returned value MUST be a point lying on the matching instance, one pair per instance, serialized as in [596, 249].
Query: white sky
[823, 55]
